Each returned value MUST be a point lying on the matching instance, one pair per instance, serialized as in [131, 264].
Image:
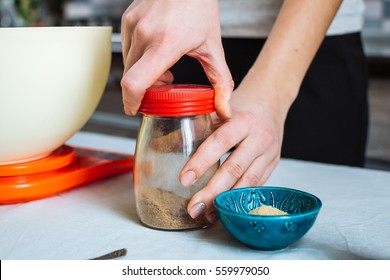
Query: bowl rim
[310, 212]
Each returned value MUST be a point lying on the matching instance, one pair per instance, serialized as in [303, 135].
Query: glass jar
[175, 121]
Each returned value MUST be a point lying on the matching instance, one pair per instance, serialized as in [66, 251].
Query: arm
[260, 105]
[295, 38]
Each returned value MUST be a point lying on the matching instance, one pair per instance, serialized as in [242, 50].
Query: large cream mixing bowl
[51, 81]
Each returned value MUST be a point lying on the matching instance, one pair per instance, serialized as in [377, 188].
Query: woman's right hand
[156, 34]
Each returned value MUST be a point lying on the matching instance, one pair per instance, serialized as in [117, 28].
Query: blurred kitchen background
[109, 117]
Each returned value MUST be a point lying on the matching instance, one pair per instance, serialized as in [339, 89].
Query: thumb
[218, 73]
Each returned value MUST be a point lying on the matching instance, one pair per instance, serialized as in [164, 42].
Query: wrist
[273, 92]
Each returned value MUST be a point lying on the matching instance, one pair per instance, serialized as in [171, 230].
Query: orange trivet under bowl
[66, 168]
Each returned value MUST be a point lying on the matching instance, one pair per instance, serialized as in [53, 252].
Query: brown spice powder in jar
[166, 210]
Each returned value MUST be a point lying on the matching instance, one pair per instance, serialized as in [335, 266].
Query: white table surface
[354, 222]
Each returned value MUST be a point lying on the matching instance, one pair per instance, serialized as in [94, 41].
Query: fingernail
[212, 217]
[197, 209]
[188, 178]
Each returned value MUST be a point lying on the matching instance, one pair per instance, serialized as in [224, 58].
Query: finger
[150, 67]
[127, 23]
[165, 79]
[259, 171]
[271, 167]
[242, 163]
[210, 212]
[135, 52]
[223, 92]
[125, 41]
[212, 149]
[232, 169]
[218, 73]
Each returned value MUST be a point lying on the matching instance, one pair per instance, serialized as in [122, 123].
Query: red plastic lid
[178, 100]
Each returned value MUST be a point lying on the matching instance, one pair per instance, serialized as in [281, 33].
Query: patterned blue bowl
[267, 232]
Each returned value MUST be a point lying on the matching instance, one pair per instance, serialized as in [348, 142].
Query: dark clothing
[328, 121]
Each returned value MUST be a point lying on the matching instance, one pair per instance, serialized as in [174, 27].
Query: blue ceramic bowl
[267, 232]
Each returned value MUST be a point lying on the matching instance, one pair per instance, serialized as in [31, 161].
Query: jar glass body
[163, 146]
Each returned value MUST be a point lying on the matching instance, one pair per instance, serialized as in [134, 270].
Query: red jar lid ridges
[178, 100]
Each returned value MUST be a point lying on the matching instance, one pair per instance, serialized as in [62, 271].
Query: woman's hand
[156, 34]
[256, 130]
